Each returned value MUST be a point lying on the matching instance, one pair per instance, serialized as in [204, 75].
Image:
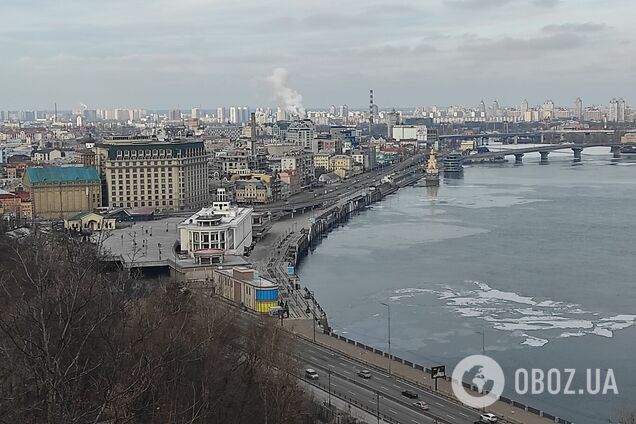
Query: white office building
[221, 229]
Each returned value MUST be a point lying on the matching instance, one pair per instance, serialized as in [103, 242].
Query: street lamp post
[483, 340]
[389, 328]
[329, 374]
[377, 409]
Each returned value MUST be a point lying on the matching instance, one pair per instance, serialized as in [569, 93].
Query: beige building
[168, 175]
[340, 162]
[321, 160]
[251, 191]
[59, 192]
[89, 221]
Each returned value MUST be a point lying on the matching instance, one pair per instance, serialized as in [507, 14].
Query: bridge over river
[544, 151]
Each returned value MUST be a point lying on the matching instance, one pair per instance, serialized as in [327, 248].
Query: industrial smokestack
[253, 135]
[370, 107]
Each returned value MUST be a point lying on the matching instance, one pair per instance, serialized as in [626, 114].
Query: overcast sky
[169, 53]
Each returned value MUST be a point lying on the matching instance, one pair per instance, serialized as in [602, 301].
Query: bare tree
[83, 345]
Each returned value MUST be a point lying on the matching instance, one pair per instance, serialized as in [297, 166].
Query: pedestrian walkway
[509, 413]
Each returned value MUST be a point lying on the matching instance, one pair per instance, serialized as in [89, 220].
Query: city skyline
[443, 52]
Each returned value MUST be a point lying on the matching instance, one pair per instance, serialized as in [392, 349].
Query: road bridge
[544, 151]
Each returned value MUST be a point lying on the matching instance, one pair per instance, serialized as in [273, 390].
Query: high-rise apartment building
[168, 175]
[578, 108]
[620, 115]
[234, 114]
[616, 111]
[220, 115]
[174, 115]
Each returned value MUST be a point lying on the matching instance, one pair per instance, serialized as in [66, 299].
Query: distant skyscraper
[220, 115]
[482, 108]
[524, 106]
[548, 109]
[578, 108]
[344, 111]
[196, 113]
[245, 115]
[612, 116]
[281, 115]
[392, 119]
[90, 115]
[174, 115]
[122, 115]
[234, 115]
[620, 115]
[495, 109]
[332, 110]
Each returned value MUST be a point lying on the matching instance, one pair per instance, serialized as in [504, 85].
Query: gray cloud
[475, 4]
[586, 27]
[159, 53]
[546, 3]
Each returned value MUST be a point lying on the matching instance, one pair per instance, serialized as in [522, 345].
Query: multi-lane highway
[342, 373]
[334, 192]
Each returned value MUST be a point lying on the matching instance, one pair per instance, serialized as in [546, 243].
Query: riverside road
[393, 405]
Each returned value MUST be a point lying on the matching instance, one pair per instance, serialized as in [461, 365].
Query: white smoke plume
[288, 99]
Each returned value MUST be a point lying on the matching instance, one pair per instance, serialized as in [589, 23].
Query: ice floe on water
[537, 321]
[534, 341]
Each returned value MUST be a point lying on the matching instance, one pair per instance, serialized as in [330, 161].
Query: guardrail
[427, 370]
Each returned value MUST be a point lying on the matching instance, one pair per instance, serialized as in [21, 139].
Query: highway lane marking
[353, 393]
[451, 417]
[392, 411]
[383, 388]
[439, 404]
[314, 358]
[396, 386]
[461, 413]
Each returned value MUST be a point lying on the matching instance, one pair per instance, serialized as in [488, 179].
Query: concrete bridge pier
[616, 152]
[518, 158]
[544, 157]
[577, 153]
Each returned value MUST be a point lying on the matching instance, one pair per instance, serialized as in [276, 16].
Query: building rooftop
[58, 174]
[256, 280]
[220, 213]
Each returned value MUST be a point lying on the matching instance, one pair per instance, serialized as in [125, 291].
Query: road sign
[438, 372]
[290, 270]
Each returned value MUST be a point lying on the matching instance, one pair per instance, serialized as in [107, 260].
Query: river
[540, 259]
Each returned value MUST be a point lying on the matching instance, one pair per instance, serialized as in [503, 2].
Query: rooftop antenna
[370, 106]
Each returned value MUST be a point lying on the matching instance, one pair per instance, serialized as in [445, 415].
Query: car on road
[488, 418]
[311, 374]
[409, 394]
[422, 405]
[364, 374]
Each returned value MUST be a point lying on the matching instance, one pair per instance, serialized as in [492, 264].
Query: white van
[311, 374]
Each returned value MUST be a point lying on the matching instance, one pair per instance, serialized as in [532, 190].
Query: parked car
[311, 374]
[364, 374]
[422, 405]
[409, 394]
[489, 418]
